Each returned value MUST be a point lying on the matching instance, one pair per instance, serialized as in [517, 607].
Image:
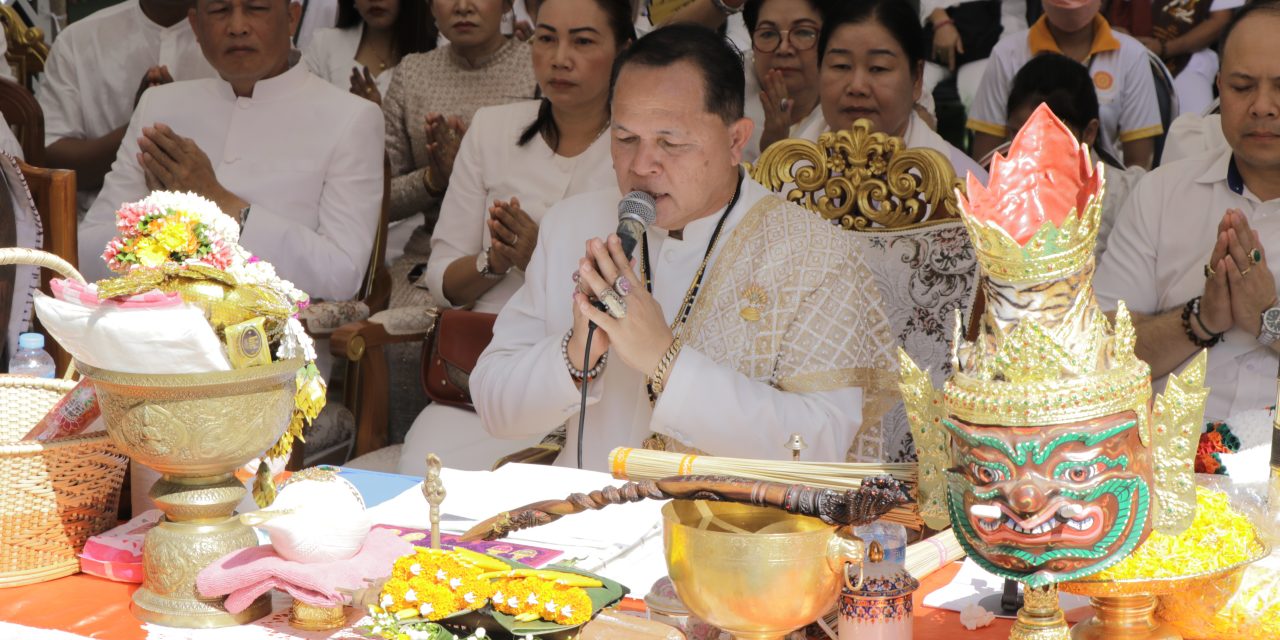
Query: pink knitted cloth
[246, 574]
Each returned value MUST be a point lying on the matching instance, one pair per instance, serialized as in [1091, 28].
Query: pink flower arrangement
[169, 230]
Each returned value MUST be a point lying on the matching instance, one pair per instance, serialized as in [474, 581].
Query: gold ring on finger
[1255, 256]
[1208, 271]
[1244, 272]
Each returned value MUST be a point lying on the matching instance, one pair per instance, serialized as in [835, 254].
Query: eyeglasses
[768, 40]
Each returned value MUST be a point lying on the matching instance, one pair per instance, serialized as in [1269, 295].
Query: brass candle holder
[196, 430]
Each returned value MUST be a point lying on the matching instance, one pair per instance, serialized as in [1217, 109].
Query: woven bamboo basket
[53, 495]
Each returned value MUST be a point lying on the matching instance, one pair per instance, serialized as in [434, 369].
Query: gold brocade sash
[790, 303]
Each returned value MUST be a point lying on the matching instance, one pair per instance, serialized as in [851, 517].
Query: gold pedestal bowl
[1125, 609]
[196, 430]
[755, 572]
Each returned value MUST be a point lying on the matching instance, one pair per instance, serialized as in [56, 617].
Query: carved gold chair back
[862, 179]
[27, 49]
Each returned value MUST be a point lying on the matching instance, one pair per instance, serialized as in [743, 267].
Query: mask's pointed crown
[1045, 353]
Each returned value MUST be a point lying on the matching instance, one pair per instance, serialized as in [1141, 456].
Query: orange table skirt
[99, 608]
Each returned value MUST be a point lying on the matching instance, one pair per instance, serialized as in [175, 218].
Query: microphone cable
[582, 406]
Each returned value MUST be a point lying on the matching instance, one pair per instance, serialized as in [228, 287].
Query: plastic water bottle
[31, 359]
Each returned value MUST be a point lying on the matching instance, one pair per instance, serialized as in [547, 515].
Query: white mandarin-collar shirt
[521, 386]
[1155, 262]
[918, 134]
[331, 54]
[490, 166]
[305, 155]
[96, 65]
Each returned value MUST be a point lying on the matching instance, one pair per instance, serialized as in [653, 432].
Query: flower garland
[170, 233]
[533, 598]
[430, 585]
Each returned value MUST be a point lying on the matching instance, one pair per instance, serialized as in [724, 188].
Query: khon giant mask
[1044, 451]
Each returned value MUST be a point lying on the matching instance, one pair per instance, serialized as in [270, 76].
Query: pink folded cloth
[68, 290]
[244, 575]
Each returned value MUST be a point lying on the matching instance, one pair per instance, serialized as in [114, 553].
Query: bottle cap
[31, 341]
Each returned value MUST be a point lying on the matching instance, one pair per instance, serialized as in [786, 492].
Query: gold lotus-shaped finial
[1038, 216]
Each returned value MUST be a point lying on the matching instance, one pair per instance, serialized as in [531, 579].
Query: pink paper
[117, 554]
[68, 290]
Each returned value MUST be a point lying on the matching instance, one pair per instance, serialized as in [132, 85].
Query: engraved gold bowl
[196, 430]
[756, 586]
[1125, 609]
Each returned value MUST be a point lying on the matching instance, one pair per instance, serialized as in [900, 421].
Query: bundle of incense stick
[932, 553]
[643, 464]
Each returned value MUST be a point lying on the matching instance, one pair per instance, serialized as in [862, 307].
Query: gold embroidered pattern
[756, 299]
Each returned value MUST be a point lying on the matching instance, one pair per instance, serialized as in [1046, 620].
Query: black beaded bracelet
[1192, 308]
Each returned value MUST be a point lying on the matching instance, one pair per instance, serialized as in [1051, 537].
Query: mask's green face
[1050, 504]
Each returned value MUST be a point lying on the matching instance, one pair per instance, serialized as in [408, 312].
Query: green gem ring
[1255, 256]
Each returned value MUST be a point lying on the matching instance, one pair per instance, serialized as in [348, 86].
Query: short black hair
[1268, 7]
[895, 16]
[1060, 82]
[723, 79]
[751, 11]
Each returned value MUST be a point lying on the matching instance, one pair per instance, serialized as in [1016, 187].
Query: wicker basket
[53, 495]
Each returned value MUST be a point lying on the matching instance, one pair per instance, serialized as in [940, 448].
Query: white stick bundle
[643, 464]
[932, 553]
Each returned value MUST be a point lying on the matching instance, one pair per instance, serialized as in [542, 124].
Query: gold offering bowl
[196, 430]
[1125, 609]
[759, 585]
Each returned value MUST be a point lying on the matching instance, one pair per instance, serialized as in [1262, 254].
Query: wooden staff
[854, 507]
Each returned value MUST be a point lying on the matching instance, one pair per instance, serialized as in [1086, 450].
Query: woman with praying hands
[515, 162]
[368, 42]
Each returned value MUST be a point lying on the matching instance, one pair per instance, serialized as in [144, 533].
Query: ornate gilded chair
[901, 204]
[27, 49]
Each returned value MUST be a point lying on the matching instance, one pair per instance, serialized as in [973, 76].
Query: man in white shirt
[96, 71]
[751, 319]
[297, 161]
[1189, 255]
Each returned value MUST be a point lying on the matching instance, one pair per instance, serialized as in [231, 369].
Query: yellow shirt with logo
[1122, 78]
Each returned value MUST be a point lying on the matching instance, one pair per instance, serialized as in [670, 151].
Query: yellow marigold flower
[1219, 537]
[150, 253]
[574, 606]
[173, 235]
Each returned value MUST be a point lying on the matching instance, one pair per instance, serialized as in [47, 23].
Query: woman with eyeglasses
[782, 70]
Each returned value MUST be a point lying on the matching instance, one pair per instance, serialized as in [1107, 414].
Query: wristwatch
[1270, 325]
[482, 265]
[726, 8]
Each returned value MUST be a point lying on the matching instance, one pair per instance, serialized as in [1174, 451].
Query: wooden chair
[28, 50]
[902, 205]
[25, 118]
[324, 319]
[54, 193]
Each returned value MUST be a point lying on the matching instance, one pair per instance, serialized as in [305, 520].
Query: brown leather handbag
[450, 354]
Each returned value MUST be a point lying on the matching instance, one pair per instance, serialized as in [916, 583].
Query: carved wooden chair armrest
[362, 343]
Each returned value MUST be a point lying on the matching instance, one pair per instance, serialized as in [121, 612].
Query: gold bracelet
[432, 190]
[657, 381]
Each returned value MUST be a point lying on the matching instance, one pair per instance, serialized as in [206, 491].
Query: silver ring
[515, 240]
[614, 305]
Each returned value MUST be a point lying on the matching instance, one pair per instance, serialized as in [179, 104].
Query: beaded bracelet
[578, 374]
[1192, 308]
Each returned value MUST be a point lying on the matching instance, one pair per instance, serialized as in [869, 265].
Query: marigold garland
[551, 601]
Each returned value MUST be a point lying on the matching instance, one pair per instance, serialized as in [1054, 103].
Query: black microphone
[636, 212]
